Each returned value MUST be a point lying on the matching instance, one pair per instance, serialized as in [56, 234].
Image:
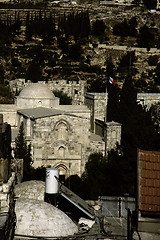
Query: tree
[20, 144]
[121, 29]
[157, 74]
[111, 175]
[155, 115]
[125, 66]
[2, 73]
[64, 99]
[22, 151]
[75, 51]
[98, 28]
[113, 101]
[138, 130]
[150, 4]
[34, 72]
[6, 95]
[110, 68]
[95, 175]
[145, 38]
[29, 31]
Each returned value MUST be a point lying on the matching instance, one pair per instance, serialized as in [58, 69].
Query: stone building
[148, 99]
[7, 182]
[63, 136]
[75, 89]
[60, 135]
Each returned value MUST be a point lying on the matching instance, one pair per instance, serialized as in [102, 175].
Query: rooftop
[149, 181]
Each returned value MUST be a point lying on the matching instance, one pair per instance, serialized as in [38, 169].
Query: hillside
[123, 40]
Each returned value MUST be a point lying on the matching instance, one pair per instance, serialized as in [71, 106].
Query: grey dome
[36, 90]
[38, 218]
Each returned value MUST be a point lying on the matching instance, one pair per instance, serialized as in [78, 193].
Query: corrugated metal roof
[149, 181]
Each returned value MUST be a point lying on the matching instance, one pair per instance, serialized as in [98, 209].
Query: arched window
[61, 131]
[61, 152]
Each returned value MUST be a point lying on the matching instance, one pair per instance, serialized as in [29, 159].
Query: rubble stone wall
[7, 206]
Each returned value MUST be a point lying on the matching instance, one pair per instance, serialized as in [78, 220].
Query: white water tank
[52, 186]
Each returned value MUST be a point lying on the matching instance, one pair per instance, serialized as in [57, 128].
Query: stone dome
[32, 189]
[38, 218]
[36, 90]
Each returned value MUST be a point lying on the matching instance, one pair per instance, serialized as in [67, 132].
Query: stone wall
[7, 206]
[97, 103]
[112, 135]
[148, 99]
[116, 206]
[64, 142]
[5, 138]
[59, 140]
[75, 89]
[4, 172]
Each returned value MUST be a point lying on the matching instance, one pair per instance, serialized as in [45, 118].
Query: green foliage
[75, 183]
[6, 96]
[126, 28]
[110, 68]
[9, 28]
[29, 31]
[98, 28]
[39, 173]
[64, 99]
[125, 66]
[145, 38]
[150, 4]
[34, 72]
[155, 115]
[113, 103]
[157, 74]
[2, 72]
[75, 52]
[20, 144]
[95, 175]
[76, 25]
[63, 44]
[111, 175]
[153, 60]
[128, 100]
[97, 85]
[22, 151]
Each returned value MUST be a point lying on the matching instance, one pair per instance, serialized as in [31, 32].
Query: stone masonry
[70, 147]
[7, 205]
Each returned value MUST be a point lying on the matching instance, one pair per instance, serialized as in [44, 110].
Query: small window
[76, 91]
[61, 152]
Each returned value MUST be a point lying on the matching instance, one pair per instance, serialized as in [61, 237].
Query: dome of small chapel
[36, 90]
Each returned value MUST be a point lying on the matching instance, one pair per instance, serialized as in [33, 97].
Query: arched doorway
[64, 172]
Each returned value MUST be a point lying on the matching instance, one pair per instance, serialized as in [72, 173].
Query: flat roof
[40, 112]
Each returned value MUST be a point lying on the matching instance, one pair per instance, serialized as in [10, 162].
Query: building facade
[60, 135]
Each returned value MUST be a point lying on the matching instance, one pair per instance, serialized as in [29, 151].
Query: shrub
[75, 51]
[98, 28]
[64, 98]
[153, 60]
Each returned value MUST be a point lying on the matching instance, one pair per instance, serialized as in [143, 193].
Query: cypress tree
[28, 28]
[22, 151]
[20, 144]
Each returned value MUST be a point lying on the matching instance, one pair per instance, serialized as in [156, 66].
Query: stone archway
[64, 171]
